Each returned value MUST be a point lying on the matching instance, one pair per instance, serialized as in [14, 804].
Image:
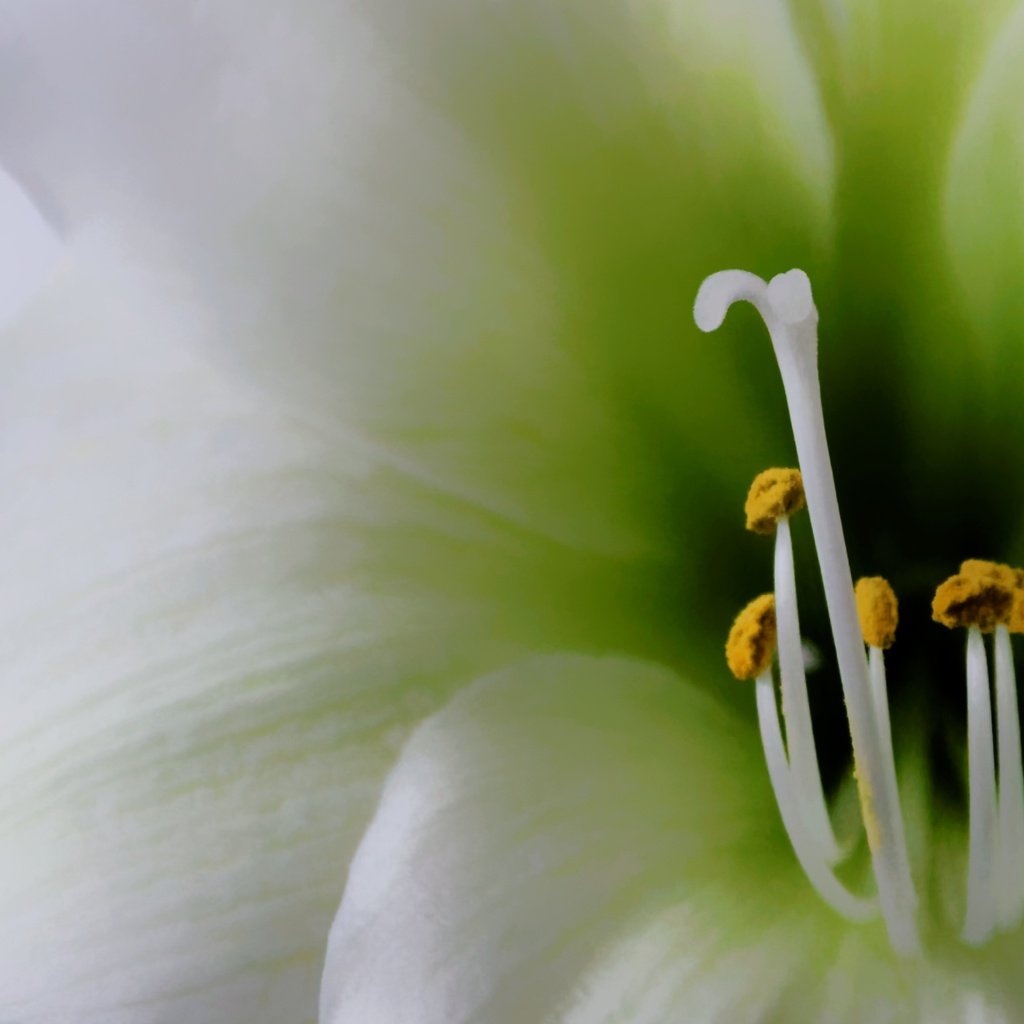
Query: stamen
[774, 495]
[749, 653]
[981, 598]
[979, 923]
[1009, 855]
[787, 308]
[878, 611]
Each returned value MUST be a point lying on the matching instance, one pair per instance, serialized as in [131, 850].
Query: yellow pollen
[1006, 574]
[1016, 622]
[973, 599]
[775, 493]
[877, 610]
[751, 643]
[1009, 576]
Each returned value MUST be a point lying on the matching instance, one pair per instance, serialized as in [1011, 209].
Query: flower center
[982, 597]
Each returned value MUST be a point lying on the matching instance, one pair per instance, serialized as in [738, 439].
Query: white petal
[29, 249]
[586, 841]
[985, 197]
[731, 956]
[204, 683]
[703, 962]
[524, 826]
[500, 309]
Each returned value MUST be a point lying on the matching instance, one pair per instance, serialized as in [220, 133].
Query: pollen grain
[973, 599]
[751, 643]
[1016, 623]
[878, 611]
[1009, 575]
[775, 493]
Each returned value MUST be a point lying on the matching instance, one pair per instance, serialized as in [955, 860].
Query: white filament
[807, 850]
[1010, 866]
[787, 308]
[880, 699]
[980, 920]
[796, 708]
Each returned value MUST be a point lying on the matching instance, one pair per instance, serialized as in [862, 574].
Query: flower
[364, 433]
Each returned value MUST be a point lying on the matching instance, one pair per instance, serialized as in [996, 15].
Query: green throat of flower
[982, 597]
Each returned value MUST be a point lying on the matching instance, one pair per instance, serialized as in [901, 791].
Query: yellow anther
[1016, 622]
[751, 643]
[877, 610]
[775, 493]
[1009, 576]
[973, 599]
[1006, 574]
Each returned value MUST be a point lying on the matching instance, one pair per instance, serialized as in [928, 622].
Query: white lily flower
[368, 547]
